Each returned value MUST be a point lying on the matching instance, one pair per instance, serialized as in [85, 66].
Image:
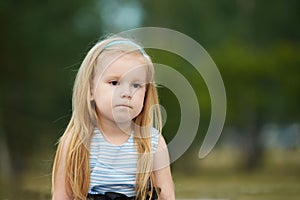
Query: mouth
[123, 106]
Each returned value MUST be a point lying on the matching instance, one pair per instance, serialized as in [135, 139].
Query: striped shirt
[113, 168]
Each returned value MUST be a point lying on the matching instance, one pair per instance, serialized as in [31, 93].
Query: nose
[126, 92]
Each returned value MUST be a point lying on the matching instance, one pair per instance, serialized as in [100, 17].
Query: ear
[91, 87]
[91, 93]
[92, 97]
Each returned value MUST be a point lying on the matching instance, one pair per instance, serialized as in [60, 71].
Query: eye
[114, 83]
[137, 85]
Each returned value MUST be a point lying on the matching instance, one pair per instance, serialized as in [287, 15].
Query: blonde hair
[74, 143]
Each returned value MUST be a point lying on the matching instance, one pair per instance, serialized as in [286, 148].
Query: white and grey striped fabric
[113, 168]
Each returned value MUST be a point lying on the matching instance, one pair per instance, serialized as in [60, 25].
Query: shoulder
[154, 132]
[158, 141]
[155, 135]
[96, 136]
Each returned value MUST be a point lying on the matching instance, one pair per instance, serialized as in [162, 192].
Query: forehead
[126, 65]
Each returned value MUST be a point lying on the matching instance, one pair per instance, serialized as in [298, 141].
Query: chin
[123, 117]
[122, 120]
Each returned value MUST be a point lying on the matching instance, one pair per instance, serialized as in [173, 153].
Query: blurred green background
[255, 45]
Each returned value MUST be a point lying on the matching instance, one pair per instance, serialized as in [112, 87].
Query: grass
[219, 177]
[258, 185]
[215, 177]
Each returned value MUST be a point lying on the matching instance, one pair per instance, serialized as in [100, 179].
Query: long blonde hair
[74, 143]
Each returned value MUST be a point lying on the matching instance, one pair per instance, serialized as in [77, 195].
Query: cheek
[140, 98]
[103, 97]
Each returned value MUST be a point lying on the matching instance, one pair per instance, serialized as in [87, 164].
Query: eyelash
[115, 83]
[136, 85]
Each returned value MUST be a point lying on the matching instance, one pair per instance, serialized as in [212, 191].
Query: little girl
[113, 147]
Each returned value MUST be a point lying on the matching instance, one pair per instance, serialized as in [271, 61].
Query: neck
[113, 129]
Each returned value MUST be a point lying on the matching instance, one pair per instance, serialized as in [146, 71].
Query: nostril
[126, 95]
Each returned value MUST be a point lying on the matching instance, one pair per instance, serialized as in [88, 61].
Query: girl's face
[120, 89]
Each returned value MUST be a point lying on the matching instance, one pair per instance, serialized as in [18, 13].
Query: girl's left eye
[137, 85]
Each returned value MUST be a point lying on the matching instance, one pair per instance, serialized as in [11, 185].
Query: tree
[41, 42]
[255, 45]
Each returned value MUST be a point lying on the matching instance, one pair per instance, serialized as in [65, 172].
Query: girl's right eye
[114, 83]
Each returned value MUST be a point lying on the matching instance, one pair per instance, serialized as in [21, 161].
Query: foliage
[255, 44]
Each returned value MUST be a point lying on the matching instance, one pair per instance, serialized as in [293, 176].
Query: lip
[123, 105]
